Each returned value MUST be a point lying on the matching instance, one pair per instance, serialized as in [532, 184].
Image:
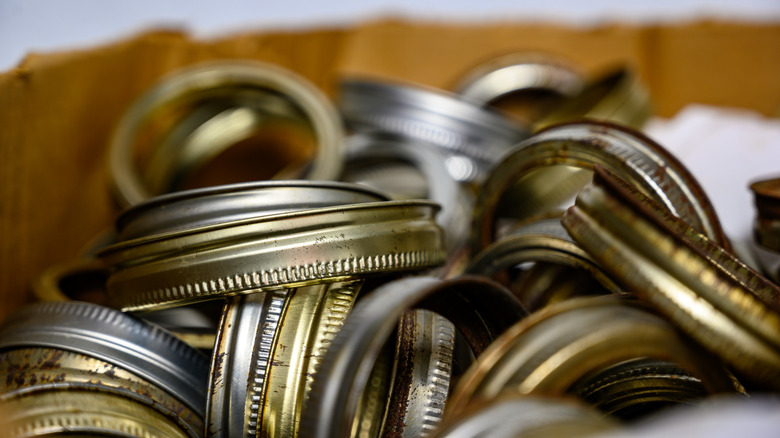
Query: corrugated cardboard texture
[57, 110]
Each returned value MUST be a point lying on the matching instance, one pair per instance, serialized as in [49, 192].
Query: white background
[46, 25]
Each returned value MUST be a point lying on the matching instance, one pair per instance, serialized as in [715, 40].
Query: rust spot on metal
[111, 372]
[403, 380]
[53, 361]
[59, 378]
[15, 376]
[218, 363]
[25, 372]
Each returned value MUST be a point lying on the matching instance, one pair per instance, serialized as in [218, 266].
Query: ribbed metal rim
[312, 319]
[631, 384]
[424, 352]
[49, 372]
[244, 345]
[435, 116]
[114, 337]
[702, 288]
[283, 250]
[480, 308]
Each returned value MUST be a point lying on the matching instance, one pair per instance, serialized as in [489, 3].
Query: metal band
[77, 412]
[766, 230]
[553, 348]
[767, 234]
[518, 72]
[372, 405]
[114, 337]
[242, 353]
[212, 128]
[284, 250]
[214, 205]
[455, 125]
[639, 387]
[703, 289]
[616, 96]
[202, 80]
[83, 277]
[35, 372]
[638, 159]
[544, 283]
[544, 240]
[424, 356]
[479, 308]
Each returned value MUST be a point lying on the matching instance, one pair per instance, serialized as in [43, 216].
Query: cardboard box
[57, 110]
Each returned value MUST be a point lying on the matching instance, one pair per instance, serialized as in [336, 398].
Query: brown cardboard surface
[57, 110]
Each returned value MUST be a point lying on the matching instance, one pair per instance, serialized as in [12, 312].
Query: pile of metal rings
[512, 258]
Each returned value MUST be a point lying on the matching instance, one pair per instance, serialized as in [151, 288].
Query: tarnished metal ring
[517, 72]
[364, 150]
[477, 136]
[312, 318]
[245, 340]
[199, 80]
[513, 415]
[216, 125]
[77, 412]
[213, 205]
[425, 348]
[34, 373]
[84, 279]
[372, 408]
[639, 387]
[544, 240]
[479, 308]
[117, 338]
[584, 144]
[703, 289]
[547, 352]
[282, 250]
[616, 96]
